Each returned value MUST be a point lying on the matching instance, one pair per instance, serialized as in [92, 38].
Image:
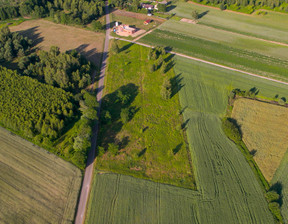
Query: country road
[87, 181]
[207, 62]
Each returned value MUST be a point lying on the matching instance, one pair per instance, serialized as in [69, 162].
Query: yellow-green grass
[265, 132]
[152, 144]
[251, 55]
[36, 186]
[227, 188]
[272, 26]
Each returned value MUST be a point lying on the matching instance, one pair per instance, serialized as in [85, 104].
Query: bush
[232, 130]
[113, 148]
[96, 25]
[272, 196]
[166, 89]
[275, 209]
[124, 115]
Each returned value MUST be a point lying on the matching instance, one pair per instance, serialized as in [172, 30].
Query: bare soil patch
[46, 34]
[188, 21]
[265, 132]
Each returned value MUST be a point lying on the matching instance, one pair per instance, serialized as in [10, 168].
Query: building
[146, 22]
[147, 6]
[124, 30]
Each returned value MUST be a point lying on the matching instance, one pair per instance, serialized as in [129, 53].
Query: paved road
[87, 181]
[208, 62]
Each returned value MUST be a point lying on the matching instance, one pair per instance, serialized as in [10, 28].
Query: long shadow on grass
[110, 120]
[176, 84]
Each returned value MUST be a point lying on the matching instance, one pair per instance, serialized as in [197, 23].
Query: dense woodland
[13, 45]
[61, 11]
[31, 107]
[69, 71]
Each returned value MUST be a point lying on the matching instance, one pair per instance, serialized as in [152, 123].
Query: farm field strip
[270, 27]
[36, 186]
[219, 53]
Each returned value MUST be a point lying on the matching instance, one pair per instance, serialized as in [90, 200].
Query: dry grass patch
[46, 34]
[36, 186]
[265, 132]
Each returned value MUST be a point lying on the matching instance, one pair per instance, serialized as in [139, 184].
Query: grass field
[271, 26]
[36, 186]
[250, 55]
[227, 189]
[265, 130]
[152, 144]
[46, 34]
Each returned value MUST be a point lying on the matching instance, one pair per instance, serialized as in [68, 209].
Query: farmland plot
[35, 186]
[272, 26]
[228, 191]
[268, 60]
[265, 131]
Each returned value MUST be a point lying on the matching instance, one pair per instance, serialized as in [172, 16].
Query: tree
[166, 89]
[96, 25]
[124, 115]
[161, 7]
[222, 6]
[114, 47]
[195, 15]
[113, 148]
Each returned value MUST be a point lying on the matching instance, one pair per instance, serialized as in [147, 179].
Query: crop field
[257, 60]
[223, 193]
[265, 131]
[271, 26]
[151, 144]
[36, 186]
[46, 34]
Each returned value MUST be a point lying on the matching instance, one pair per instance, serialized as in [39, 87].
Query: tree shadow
[170, 7]
[234, 121]
[126, 46]
[253, 152]
[92, 55]
[177, 149]
[113, 103]
[33, 34]
[184, 124]
[202, 14]
[142, 152]
[176, 84]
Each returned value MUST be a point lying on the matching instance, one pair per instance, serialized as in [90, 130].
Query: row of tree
[62, 11]
[33, 108]
[243, 3]
[13, 45]
[69, 71]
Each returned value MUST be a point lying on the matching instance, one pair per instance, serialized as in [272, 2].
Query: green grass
[36, 186]
[152, 144]
[272, 26]
[270, 61]
[227, 188]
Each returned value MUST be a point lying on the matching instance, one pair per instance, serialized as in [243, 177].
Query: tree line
[13, 45]
[61, 11]
[69, 71]
[33, 108]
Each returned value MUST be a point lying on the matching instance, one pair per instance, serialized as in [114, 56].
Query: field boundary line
[88, 176]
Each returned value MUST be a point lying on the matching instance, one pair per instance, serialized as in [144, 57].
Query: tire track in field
[114, 199]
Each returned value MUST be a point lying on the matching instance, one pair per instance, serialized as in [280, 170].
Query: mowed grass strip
[36, 186]
[220, 53]
[265, 132]
[152, 144]
[272, 26]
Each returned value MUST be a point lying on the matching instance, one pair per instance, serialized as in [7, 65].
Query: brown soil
[46, 34]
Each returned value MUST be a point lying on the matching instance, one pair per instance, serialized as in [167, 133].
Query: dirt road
[87, 181]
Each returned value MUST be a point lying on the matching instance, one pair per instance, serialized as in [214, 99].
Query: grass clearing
[227, 189]
[36, 186]
[46, 34]
[152, 144]
[271, 26]
[265, 131]
[256, 60]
